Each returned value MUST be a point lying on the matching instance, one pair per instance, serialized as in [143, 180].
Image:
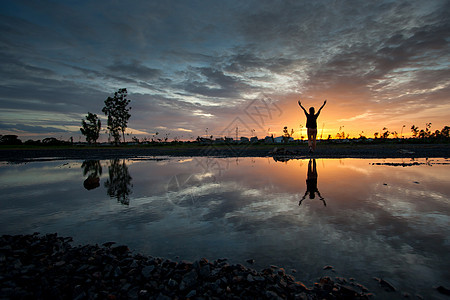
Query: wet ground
[347, 218]
[299, 151]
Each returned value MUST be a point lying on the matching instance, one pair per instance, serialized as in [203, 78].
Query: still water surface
[366, 218]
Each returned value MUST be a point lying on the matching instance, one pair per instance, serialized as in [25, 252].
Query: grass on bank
[197, 145]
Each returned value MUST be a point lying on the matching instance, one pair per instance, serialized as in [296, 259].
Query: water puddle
[384, 218]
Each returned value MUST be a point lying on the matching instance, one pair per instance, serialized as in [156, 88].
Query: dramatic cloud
[20, 128]
[191, 66]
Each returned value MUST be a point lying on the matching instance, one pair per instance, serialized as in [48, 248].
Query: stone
[362, 287]
[172, 283]
[161, 296]
[133, 293]
[282, 283]
[134, 264]
[83, 268]
[60, 263]
[443, 290]
[301, 286]
[108, 244]
[272, 295]
[117, 272]
[341, 280]
[215, 272]
[120, 250]
[196, 265]
[205, 271]
[267, 271]
[387, 286]
[125, 287]
[147, 271]
[326, 283]
[191, 294]
[274, 267]
[348, 291]
[78, 293]
[190, 279]
[108, 268]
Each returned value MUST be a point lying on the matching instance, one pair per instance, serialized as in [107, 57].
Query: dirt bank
[295, 151]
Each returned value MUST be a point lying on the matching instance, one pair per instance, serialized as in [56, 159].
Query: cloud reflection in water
[379, 220]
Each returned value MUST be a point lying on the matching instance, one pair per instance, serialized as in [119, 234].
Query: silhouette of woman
[311, 125]
[311, 183]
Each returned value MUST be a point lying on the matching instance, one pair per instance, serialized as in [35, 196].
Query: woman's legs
[314, 139]
[309, 138]
[312, 134]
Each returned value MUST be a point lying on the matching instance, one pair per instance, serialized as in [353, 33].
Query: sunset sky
[206, 67]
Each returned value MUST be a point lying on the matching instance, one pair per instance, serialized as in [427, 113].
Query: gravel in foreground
[49, 267]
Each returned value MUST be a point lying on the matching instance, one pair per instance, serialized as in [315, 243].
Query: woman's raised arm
[324, 102]
[299, 103]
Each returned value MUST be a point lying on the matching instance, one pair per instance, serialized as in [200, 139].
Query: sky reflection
[379, 220]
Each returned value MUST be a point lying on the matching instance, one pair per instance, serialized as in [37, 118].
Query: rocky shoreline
[49, 267]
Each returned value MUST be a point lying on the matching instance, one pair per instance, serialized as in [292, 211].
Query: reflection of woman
[311, 125]
[311, 183]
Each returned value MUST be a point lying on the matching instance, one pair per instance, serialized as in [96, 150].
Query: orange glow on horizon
[339, 116]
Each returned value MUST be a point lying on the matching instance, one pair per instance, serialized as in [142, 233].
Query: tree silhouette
[414, 130]
[445, 132]
[119, 183]
[10, 139]
[427, 129]
[118, 114]
[286, 134]
[92, 168]
[91, 130]
[386, 133]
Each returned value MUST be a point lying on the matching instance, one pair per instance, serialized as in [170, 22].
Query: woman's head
[312, 110]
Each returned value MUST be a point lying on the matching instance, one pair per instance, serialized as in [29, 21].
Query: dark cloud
[247, 61]
[29, 128]
[12, 67]
[212, 82]
[367, 69]
[204, 58]
[427, 44]
[135, 70]
[64, 97]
